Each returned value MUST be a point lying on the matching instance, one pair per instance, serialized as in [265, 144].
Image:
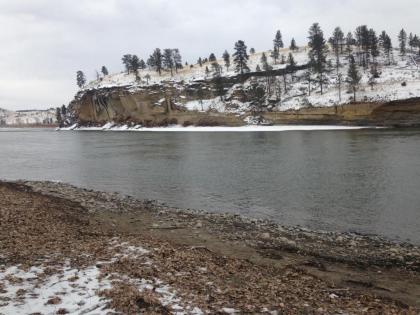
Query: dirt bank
[69, 250]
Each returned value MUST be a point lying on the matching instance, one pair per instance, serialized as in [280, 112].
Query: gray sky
[44, 42]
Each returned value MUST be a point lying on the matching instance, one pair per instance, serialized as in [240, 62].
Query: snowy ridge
[27, 117]
[399, 80]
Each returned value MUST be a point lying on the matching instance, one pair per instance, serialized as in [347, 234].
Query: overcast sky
[44, 42]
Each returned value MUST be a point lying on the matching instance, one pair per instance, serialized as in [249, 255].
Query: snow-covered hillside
[400, 80]
[28, 117]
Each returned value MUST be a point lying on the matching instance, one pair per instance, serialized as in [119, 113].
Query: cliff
[282, 95]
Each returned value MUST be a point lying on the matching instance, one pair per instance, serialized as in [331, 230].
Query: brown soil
[210, 263]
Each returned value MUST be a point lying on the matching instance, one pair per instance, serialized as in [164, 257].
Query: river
[365, 181]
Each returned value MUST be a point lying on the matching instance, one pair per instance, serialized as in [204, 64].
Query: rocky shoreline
[255, 266]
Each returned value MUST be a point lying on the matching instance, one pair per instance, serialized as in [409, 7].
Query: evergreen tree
[219, 86]
[416, 43]
[104, 71]
[387, 46]
[177, 59]
[135, 66]
[212, 57]
[411, 42]
[337, 41]
[157, 60]
[402, 37]
[63, 110]
[226, 58]
[373, 44]
[241, 57]
[275, 54]
[252, 51]
[363, 44]
[200, 62]
[142, 65]
[293, 46]
[264, 63]
[349, 43]
[353, 76]
[168, 60]
[217, 69]
[147, 77]
[291, 65]
[81, 79]
[126, 60]
[258, 68]
[318, 52]
[278, 40]
[382, 38]
[58, 116]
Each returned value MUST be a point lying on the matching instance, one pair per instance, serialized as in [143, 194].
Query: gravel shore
[66, 250]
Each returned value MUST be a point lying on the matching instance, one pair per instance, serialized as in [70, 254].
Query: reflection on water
[358, 180]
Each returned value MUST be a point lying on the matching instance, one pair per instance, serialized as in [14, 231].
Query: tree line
[361, 48]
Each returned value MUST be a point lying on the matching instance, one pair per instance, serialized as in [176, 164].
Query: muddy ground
[146, 258]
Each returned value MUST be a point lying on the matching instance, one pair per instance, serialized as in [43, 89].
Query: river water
[365, 181]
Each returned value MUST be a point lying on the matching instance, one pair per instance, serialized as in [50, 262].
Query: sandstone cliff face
[404, 113]
[164, 104]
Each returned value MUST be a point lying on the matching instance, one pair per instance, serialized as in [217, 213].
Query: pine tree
[217, 69]
[349, 43]
[252, 51]
[135, 66]
[416, 43]
[168, 60]
[63, 110]
[212, 57]
[382, 39]
[318, 52]
[81, 79]
[291, 65]
[293, 46]
[337, 44]
[126, 60]
[241, 57]
[277, 44]
[58, 116]
[147, 77]
[219, 86]
[278, 40]
[157, 60]
[142, 65]
[200, 62]
[363, 44]
[104, 71]
[411, 42]
[258, 68]
[387, 46]
[226, 58]
[353, 77]
[275, 54]
[177, 59]
[264, 63]
[402, 37]
[373, 44]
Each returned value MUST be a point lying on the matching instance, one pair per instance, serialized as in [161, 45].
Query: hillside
[27, 117]
[120, 97]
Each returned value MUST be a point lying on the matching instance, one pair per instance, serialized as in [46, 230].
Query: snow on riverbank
[251, 128]
[65, 289]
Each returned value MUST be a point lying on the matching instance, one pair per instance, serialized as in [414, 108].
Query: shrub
[187, 123]
[207, 122]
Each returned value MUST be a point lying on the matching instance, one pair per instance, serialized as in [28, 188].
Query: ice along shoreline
[248, 128]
